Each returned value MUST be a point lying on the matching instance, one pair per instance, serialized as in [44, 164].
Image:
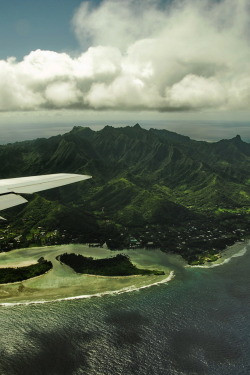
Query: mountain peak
[107, 129]
[237, 138]
[76, 129]
[81, 131]
[137, 126]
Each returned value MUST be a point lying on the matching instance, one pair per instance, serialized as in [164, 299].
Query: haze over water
[198, 323]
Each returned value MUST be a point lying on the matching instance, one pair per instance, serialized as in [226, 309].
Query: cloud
[186, 55]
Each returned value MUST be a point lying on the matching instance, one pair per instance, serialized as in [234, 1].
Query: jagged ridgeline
[140, 177]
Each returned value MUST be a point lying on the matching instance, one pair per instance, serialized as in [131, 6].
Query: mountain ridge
[140, 178]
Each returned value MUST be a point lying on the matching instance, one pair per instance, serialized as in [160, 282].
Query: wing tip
[82, 176]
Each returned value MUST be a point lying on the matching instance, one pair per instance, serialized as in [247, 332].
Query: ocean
[197, 323]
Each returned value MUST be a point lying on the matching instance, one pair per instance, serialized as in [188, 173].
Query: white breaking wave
[129, 289]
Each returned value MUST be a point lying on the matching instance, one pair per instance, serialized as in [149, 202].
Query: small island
[120, 265]
[12, 275]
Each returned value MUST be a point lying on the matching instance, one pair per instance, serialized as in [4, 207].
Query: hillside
[144, 182]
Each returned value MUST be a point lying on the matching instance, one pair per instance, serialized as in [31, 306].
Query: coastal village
[195, 243]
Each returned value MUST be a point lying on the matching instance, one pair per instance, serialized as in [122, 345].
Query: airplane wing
[11, 187]
[11, 200]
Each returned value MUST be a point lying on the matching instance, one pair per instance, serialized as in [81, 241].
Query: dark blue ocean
[199, 323]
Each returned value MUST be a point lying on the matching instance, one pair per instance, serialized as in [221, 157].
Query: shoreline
[65, 285]
[88, 296]
[236, 250]
[222, 261]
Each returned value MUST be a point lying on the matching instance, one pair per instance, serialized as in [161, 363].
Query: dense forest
[120, 265]
[11, 275]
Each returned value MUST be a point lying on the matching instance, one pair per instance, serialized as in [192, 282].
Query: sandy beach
[61, 282]
[23, 263]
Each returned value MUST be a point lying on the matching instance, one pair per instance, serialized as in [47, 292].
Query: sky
[182, 65]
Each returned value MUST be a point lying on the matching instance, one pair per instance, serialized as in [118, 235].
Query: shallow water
[63, 283]
[198, 323]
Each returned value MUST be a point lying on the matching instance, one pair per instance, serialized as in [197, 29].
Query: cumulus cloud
[186, 55]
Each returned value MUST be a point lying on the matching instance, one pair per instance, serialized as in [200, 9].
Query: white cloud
[195, 92]
[190, 55]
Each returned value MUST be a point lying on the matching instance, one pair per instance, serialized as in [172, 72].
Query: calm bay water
[199, 323]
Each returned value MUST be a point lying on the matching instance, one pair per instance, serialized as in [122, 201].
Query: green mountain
[153, 181]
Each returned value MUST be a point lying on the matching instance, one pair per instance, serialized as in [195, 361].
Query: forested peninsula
[12, 275]
[120, 265]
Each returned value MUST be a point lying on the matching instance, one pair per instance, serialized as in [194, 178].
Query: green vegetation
[11, 275]
[120, 265]
[150, 188]
[201, 259]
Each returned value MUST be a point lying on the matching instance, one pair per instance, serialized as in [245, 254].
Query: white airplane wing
[11, 187]
[11, 200]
